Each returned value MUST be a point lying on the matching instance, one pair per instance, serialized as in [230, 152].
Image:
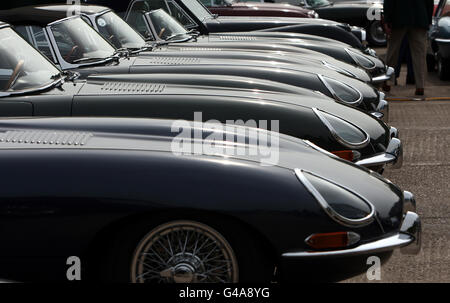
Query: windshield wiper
[87, 59]
[176, 35]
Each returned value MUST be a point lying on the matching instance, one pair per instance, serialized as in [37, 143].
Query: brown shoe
[386, 88]
[420, 92]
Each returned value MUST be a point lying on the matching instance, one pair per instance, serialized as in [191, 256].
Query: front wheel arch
[225, 225]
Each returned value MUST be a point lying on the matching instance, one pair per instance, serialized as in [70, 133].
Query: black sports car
[195, 16]
[121, 35]
[72, 44]
[33, 86]
[158, 25]
[117, 197]
[439, 41]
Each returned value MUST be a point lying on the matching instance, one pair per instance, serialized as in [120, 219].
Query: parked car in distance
[254, 8]
[195, 16]
[356, 13]
[157, 23]
[439, 41]
[119, 193]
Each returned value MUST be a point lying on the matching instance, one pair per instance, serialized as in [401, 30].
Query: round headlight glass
[361, 60]
[344, 132]
[340, 203]
[342, 92]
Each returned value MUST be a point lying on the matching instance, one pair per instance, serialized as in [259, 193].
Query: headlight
[338, 69]
[342, 204]
[361, 60]
[342, 92]
[343, 131]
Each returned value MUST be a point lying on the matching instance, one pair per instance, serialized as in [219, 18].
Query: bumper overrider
[382, 109]
[408, 239]
[392, 156]
[390, 71]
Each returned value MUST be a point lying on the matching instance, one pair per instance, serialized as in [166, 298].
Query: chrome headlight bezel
[355, 56]
[301, 175]
[335, 134]
[323, 79]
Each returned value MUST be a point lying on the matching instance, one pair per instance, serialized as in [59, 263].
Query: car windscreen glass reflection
[79, 43]
[166, 27]
[118, 32]
[21, 66]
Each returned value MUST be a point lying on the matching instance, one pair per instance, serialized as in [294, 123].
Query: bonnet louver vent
[130, 87]
[237, 38]
[45, 137]
[173, 60]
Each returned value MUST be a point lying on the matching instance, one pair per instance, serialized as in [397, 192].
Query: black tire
[443, 68]
[252, 264]
[375, 34]
[431, 63]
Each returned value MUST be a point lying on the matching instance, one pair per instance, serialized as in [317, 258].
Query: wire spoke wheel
[184, 252]
[376, 34]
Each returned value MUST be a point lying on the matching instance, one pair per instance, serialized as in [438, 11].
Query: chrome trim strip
[338, 69]
[63, 19]
[336, 135]
[352, 55]
[4, 25]
[442, 40]
[333, 93]
[408, 239]
[312, 145]
[327, 208]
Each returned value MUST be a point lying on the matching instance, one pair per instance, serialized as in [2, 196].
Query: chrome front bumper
[387, 76]
[392, 156]
[408, 239]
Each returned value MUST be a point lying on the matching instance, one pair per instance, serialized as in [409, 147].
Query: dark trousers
[405, 57]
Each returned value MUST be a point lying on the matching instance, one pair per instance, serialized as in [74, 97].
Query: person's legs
[401, 58]
[418, 44]
[394, 43]
[410, 78]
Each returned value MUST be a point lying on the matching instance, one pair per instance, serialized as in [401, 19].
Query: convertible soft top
[42, 15]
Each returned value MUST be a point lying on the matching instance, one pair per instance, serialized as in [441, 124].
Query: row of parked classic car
[99, 105]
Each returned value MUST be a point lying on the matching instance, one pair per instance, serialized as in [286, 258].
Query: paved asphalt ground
[425, 132]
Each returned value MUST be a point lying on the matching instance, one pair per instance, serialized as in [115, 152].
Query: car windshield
[78, 42]
[198, 9]
[317, 3]
[118, 32]
[21, 66]
[166, 27]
